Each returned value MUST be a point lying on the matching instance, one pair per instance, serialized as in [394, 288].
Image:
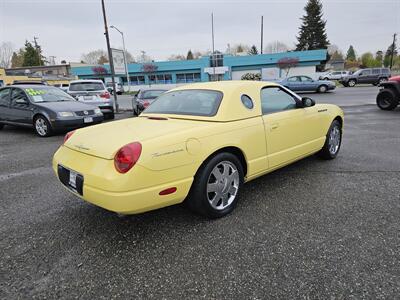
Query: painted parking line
[36, 171]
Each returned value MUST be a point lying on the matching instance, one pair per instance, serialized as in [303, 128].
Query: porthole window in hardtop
[247, 102]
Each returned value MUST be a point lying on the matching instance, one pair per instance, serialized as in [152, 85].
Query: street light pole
[213, 48]
[125, 60]
[262, 33]
[110, 56]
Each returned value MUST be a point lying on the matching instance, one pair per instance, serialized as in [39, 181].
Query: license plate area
[88, 120]
[87, 97]
[71, 179]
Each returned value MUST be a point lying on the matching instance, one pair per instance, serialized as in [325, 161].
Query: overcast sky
[67, 29]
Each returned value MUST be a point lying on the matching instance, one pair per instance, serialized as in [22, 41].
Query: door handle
[274, 126]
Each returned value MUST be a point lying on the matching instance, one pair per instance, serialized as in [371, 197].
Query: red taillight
[127, 157]
[146, 103]
[68, 135]
[105, 95]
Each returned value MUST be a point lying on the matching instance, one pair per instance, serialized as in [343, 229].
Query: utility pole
[393, 49]
[37, 49]
[262, 33]
[52, 59]
[213, 48]
[110, 59]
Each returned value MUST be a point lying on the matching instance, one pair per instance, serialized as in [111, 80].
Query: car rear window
[187, 102]
[151, 94]
[86, 86]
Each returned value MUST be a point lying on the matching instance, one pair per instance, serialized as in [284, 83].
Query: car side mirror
[307, 102]
[21, 101]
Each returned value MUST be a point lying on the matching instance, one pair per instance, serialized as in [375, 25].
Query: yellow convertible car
[197, 143]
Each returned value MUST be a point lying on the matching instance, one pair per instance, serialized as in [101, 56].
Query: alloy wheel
[223, 185]
[334, 140]
[41, 126]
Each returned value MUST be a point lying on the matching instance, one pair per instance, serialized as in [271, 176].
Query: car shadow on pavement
[164, 220]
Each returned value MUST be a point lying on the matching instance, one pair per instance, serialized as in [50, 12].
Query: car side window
[365, 72]
[306, 79]
[274, 99]
[5, 97]
[293, 79]
[376, 71]
[17, 94]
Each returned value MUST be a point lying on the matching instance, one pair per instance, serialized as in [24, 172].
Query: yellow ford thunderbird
[197, 143]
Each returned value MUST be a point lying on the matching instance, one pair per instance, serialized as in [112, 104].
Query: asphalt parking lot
[315, 229]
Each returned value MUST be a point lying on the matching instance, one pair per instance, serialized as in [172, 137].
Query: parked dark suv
[373, 76]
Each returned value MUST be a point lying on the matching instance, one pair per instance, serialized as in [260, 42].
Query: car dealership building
[169, 74]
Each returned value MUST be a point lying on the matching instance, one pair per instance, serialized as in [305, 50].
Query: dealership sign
[118, 60]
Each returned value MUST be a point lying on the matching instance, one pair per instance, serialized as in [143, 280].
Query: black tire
[42, 126]
[198, 198]
[111, 116]
[387, 99]
[1, 126]
[325, 152]
[326, 78]
[345, 84]
[352, 83]
[322, 88]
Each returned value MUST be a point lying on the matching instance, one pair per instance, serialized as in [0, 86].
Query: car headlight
[97, 111]
[66, 114]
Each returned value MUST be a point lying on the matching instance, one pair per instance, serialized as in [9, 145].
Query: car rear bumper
[134, 192]
[106, 109]
[59, 124]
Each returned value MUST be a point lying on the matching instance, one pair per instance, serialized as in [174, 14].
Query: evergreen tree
[312, 33]
[351, 54]
[253, 50]
[32, 55]
[189, 55]
[391, 49]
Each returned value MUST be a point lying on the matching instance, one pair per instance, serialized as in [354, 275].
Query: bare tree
[275, 47]
[286, 63]
[177, 57]
[99, 70]
[129, 57]
[143, 58]
[93, 57]
[6, 52]
[149, 69]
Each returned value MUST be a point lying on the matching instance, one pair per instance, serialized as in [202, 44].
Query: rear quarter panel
[193, 148]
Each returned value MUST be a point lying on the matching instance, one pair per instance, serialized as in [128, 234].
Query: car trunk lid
[106, 139]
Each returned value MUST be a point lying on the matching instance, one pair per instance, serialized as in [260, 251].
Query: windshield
[47, 94]
[152, 94]
[187, 102]
[86, 86]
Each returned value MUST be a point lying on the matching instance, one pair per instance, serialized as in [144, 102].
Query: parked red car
[389, 95]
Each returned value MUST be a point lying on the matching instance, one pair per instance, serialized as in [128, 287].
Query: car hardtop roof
[228, 85]
[153, 89]
[86, 80]
[27, 86]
